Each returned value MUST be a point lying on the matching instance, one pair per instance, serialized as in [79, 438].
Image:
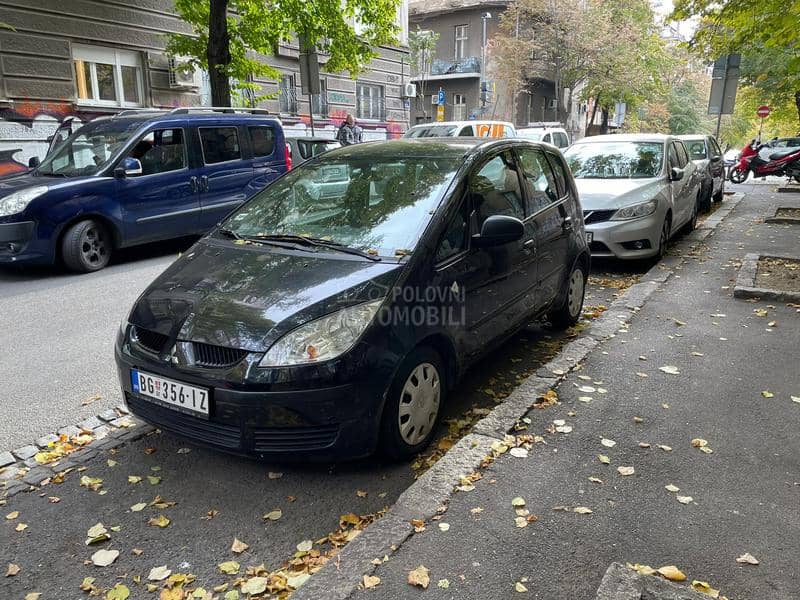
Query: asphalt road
[57, 334]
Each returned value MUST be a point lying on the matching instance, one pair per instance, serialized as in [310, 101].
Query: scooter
[780, 163]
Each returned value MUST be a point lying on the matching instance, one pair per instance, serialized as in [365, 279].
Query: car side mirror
[498, 230]
[33, 162]
[128, 167]
[675, 174]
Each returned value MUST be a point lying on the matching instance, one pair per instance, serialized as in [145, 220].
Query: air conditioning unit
[552, 103]
[410, 91]
[180, 78]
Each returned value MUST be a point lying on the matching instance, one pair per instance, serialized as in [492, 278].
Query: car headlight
[635, 211]
[322, 339]
[17, 201]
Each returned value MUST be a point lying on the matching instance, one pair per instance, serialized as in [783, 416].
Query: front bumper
[617, 239]
[17, 242]
[330, 421]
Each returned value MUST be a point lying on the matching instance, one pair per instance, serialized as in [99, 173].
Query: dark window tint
[540, 183]
[561, 139]
[310, 149]
[558, 169]
[454, 239]
[263, 140]
[495, 189]
[467, 131]
[547, 138]
[160, 151]
[220, 144]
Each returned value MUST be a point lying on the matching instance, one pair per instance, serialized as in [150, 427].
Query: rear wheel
[704, 199]
[413, 404]
[691, 225]
[718, 196]
[86, 246]
[569, 312]
[738, 175]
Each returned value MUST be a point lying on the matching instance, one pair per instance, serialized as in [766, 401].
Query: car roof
[625, 137]
[447, 147]
[311, 139]
[692, 137]
[461, 123]
[145, 116]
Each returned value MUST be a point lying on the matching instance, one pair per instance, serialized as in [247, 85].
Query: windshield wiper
[312, 241]
[38, 173]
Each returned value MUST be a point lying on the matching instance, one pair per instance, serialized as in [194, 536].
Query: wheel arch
[446, 349]
[116, 234]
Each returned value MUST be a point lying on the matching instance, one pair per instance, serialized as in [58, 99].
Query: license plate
[589, 237]
[170, 393]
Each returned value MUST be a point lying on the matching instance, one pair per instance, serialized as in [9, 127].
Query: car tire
[569, 312]
[718, 196]
[691, 224]
[704, 199]
[86, 246]
[663, 239]
[413, 404]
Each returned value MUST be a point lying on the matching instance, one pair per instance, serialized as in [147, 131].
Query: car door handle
[567, 224]
[528, 244]
[204, 183]
[193, 185]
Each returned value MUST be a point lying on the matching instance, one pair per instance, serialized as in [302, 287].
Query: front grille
[599, 248]
[150, 340]
[208, 432]
[216, 357]
[596, 216]
[286, 439]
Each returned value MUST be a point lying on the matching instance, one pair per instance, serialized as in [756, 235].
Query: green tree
[422, 44]
[228, 36]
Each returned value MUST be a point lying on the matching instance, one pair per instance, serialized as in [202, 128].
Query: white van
[550, 133]
[492, 129]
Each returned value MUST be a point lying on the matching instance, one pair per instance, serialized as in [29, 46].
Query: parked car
[705, 153]
[637, 191]
[492, 129]
[786, 142]
[136, 177]
[550, 133]
[303, 148]
[302, 327]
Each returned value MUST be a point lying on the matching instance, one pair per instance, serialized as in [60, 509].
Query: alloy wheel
[419, 403]
[93, 246]
[575, 292]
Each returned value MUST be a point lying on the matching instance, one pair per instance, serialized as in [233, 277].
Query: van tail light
[288, 156]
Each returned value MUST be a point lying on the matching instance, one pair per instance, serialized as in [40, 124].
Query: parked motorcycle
[780, 163]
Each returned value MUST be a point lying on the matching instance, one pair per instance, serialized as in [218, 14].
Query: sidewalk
[745, 493]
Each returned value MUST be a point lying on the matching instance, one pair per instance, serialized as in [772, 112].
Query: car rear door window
[467, 131]
[541, 189]
[263, 138]
[547, 139]
[220, 144]
[495, 189]
[160, 151]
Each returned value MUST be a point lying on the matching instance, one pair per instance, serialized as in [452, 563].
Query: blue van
[136, 177]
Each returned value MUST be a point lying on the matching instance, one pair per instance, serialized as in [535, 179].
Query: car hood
[14, 183]
[247, 297]
[608, 194]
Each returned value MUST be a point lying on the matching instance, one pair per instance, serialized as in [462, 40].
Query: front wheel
[738, 175]
[569, 312]
[718, 196]
[413, 404]
[663, 239]
[86, 246]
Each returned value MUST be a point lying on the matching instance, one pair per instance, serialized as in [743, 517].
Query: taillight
[288, 156]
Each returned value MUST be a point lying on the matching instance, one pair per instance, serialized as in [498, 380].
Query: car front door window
[495, 189]
[160, 151]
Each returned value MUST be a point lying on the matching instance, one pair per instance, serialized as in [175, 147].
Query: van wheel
[86, 246]
[569, 312]
[413, 404]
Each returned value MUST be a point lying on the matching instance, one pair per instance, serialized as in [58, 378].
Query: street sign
[440, 112]
[441, 98]
[309, 68]
[763, 111]
[724, 80]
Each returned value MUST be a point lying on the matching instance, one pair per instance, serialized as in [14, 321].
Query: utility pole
[484, 90]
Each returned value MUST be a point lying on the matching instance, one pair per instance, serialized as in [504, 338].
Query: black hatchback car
[332, 312]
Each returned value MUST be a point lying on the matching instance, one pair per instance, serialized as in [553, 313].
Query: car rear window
[220, 144]
[263, 140]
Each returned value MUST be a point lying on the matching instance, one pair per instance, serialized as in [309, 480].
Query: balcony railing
[469, 64]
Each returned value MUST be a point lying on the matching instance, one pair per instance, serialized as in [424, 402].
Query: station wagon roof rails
[183, 110]
[136, 111]
[544, 124]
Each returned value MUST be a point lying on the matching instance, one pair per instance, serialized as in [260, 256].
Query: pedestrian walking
[346, 135]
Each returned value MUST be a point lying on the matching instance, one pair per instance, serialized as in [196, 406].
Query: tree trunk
[797, 103]
[590, 124]
[604, 122]
[218, 53]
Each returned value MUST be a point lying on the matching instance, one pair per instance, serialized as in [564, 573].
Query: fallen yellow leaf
[748, 559]
[704, 588]
[672, 573]
[159, 521]
[370, 581]
[419, 577]
[238, 546]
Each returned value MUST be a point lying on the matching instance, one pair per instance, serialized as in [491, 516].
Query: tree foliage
[422, 45]
[230, 38]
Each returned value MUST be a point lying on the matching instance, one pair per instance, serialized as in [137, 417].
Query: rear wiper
[312, 241]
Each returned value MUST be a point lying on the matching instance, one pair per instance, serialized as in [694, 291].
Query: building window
[369, 99]
[459, 107]
[105, 76]
[287, 95]
[319, 102]
[461, 37]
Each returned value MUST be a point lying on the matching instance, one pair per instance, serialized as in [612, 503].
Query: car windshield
[530, 135]
[380, 206]
[431, 131]
[89, 149]
[615, 160]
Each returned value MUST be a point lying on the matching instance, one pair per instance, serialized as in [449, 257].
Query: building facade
[86, 58]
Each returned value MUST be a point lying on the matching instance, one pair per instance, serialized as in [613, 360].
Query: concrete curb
[340, 577]
[745, 286]
[622, 583]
